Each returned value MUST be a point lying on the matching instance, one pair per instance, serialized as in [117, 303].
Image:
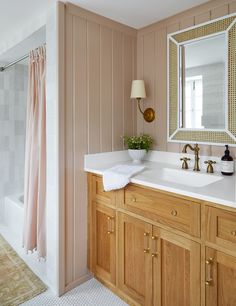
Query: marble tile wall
[13, 95]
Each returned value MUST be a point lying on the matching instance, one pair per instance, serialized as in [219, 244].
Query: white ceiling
[20, 16]
[138, 13]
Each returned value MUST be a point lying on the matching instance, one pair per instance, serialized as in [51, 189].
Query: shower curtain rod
[15, 62]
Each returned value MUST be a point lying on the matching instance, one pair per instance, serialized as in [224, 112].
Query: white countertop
[220, 192]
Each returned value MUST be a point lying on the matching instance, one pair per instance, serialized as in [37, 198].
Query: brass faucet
[196, 150]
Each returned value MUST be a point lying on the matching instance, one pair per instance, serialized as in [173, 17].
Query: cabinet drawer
[221, 227]
[169, 210]
[100, 195]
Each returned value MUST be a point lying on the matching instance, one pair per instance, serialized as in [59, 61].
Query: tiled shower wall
[13, 95]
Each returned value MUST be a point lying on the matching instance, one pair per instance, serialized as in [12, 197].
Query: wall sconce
[138, 92]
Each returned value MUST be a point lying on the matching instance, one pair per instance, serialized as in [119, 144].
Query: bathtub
[14, 214]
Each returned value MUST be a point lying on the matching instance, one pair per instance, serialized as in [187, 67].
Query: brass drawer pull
[146, 242]
[133, 199]
[233, 233]
[110, 230]
[209, 263]
[154, 246]
[174, 212]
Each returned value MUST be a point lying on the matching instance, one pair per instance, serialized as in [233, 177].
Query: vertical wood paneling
[93, 45]
[232, 7]
[149, 78]
[118, 91]
[100, 64]
[204, 17]
[106, 89]
[80, 143]
[134, 76]
[187, 22]
[219, 11]
[140, 59]
[128, 75]
[69, 160]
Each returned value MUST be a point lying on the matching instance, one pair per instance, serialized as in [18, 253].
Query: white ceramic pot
[137, 155]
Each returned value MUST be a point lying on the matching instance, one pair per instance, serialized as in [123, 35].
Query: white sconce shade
[138, 89]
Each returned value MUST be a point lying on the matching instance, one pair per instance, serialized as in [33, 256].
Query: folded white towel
[119, 176]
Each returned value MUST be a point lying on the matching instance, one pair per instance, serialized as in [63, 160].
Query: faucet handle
[185, 162]
[209, 163]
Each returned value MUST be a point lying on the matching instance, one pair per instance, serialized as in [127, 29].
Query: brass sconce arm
[139, 106]
[148, 114]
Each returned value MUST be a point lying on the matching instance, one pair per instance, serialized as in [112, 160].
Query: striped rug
[17, 282]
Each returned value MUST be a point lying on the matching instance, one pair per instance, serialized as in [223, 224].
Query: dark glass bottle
[227, 163]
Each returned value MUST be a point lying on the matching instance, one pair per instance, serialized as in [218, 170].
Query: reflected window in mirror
[203, 83]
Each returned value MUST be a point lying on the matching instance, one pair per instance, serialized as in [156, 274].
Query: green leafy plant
[142, 142]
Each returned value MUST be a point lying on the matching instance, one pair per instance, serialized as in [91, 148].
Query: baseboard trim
[78, 282]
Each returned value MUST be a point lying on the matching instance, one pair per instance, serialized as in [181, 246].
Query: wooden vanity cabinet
[134, 260]
[104, 243]
[101, 232]
[155, 248]
[157, 267]
[220, 267]
[176, 269]
[220, 278]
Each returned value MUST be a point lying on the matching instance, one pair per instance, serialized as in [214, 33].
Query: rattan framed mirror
[203, 132]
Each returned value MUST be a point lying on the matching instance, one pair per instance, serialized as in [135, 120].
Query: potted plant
[138, 146]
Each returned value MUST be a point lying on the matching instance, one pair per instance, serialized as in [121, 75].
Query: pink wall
[100, 63]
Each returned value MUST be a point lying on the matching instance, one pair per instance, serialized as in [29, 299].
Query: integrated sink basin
[188, 178]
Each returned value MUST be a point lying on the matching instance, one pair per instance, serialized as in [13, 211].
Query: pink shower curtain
[34, 236]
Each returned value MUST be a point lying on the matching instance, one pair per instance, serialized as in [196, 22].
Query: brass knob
[108, 232]
[209, 261]
[174, 212]
[133, 199]
[233, 233]
[108, 218]
[146, 251]
[208, 282]
[145, 234]
[154, 255]
[154, 237]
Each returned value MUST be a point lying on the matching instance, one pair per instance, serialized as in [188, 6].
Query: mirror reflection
[203, 83]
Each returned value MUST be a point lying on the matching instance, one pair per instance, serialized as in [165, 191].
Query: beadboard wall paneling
[100, 63]
[152, 63]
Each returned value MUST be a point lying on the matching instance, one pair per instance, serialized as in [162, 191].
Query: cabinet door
[104, 240]
[220, 279]
[176, 270]
[135, 261]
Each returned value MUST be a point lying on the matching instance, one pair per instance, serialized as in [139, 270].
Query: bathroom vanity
[157, 242]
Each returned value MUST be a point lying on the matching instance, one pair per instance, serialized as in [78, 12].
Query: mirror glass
[203, 64]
